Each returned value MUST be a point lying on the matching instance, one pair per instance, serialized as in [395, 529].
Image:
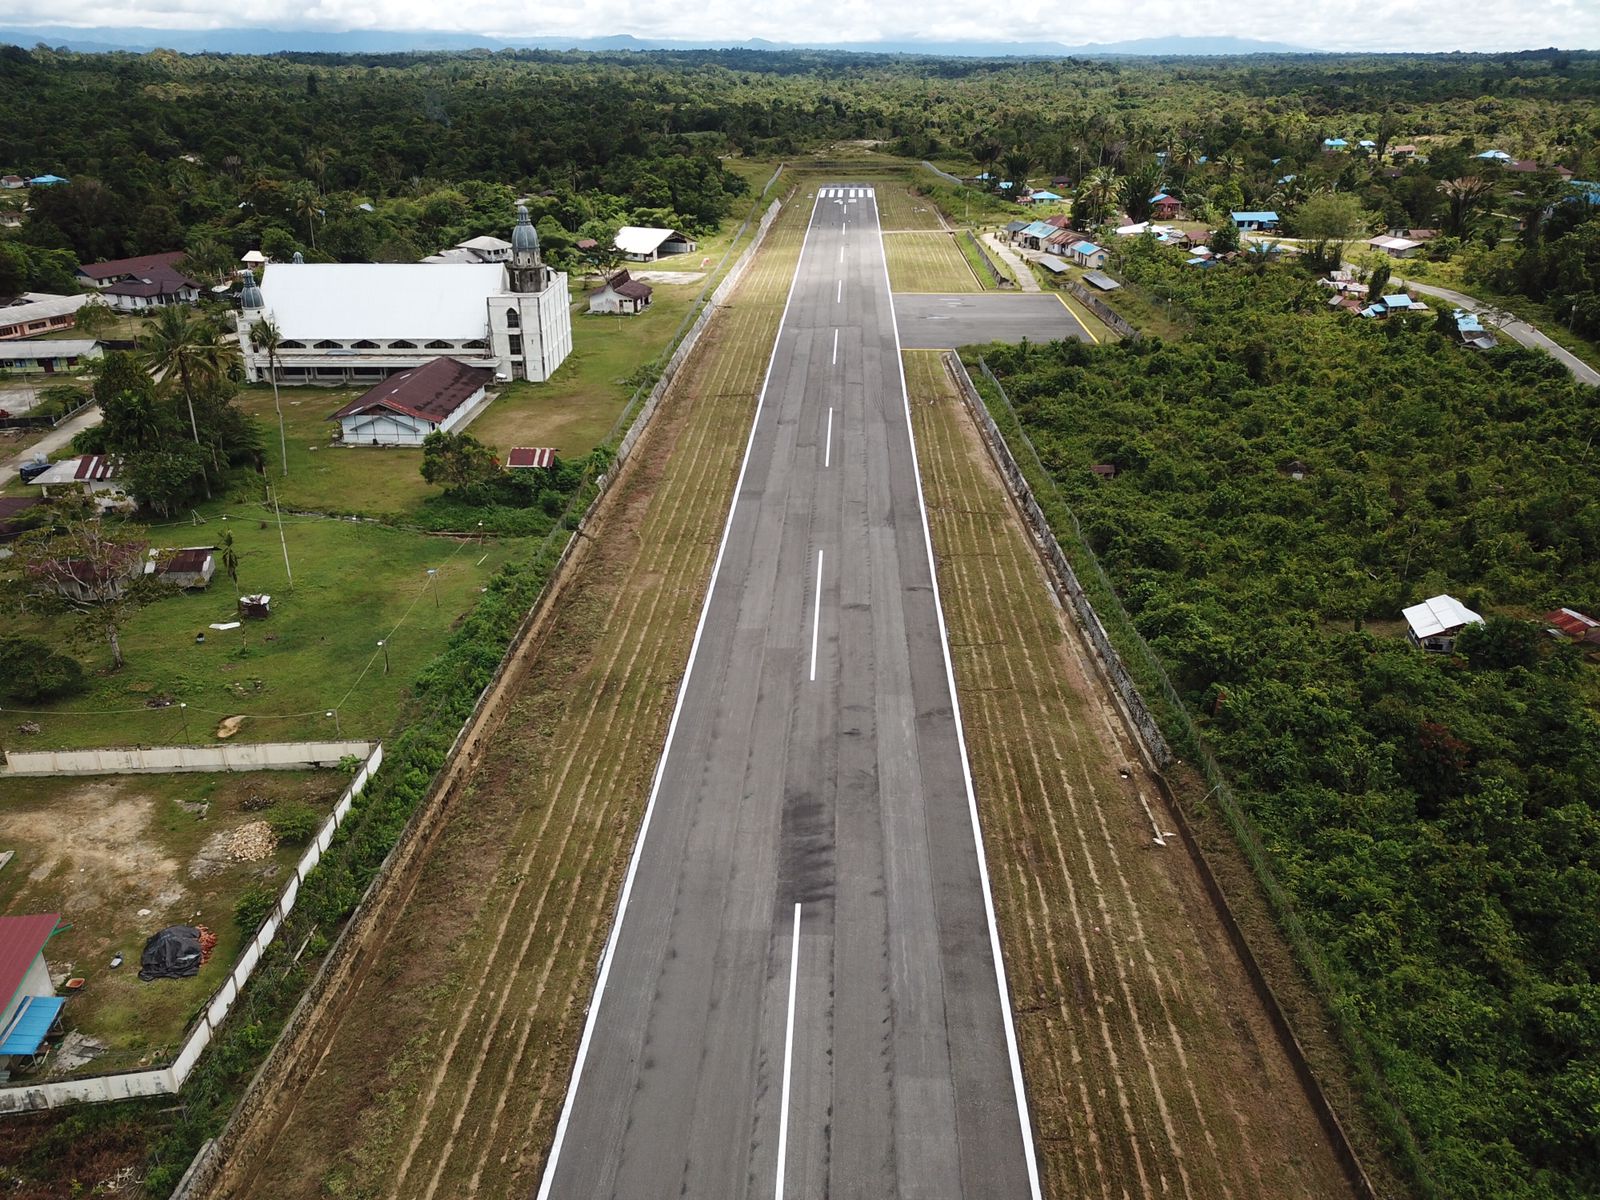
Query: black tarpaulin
[173, 953]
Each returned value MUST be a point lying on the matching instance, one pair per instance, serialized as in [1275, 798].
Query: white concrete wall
[167, 1080]
[246, 756]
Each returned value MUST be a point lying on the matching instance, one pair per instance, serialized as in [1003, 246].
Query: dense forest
[1287, 480]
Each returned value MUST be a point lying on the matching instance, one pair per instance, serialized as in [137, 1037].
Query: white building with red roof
[31, 1007]
[438, 397]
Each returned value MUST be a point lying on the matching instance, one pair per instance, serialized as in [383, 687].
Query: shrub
[30, 670]
[252, 908]
[295, 823]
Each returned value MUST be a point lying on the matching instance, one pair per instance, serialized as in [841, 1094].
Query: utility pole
[281, 540]
[384, 646]
[433, 580]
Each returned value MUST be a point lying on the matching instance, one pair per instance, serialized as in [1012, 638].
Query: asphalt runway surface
[801, 996]
[944, 322]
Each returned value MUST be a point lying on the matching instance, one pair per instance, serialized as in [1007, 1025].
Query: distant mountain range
[384, 41]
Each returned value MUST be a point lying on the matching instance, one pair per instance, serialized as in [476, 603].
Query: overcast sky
[1316, 24]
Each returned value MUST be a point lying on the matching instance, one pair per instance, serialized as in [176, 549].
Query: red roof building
[441, 395]
[134, 284]
[29, 1007]
[528, 457]
[1574, 625]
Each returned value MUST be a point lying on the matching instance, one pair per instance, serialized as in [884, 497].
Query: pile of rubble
[251, 842]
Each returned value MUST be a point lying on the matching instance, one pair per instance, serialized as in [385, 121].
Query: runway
[801, 997]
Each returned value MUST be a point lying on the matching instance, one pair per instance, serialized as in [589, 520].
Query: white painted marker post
[788, 1056]
[816, 619]
[827, 445]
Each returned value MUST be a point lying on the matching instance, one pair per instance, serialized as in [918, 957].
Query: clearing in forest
[1152, 1067]
[449, 1064]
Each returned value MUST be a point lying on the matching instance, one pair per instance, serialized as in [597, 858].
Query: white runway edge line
[788, 1057]
[816, 619]
[1023, 1120]
[609, 952]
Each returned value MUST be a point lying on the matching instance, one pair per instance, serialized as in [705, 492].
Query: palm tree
[1097, 193]
[1018, 163]
[265, 337]
[172, 353]
[308, 204]
[1464, 197]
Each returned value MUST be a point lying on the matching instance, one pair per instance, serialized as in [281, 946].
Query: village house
[621, 293]
[32, 1008]
[475, 250]
[1255, 222]
[93, 475]
[1402, 153]
[12, 182]
[1087, 254]
[362, 322]
[1394, 247]
[47, 356]
[1574, 626]
[1033, 235]
[33, 313]
[440, 396]
[91, 582]
[642, 244]
[1166, 207]
[135, 284]
[1435, 624]
[190, 567]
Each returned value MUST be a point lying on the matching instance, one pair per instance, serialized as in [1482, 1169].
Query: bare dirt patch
[120, 857]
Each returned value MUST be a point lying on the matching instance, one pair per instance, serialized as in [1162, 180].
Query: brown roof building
[441, 395]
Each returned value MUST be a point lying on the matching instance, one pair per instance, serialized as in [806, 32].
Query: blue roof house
[1087, 254]
[1043, 197]
[1334, 144]
[1265, 219]
[47, 181]
[1496, 155]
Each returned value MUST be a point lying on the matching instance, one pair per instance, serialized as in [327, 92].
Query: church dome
[298, 258]
[524, 236]
[251, 296]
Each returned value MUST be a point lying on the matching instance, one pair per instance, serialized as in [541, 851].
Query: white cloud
[1319, 24]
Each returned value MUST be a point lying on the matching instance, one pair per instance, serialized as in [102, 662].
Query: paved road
[931, 321]
[1518, 331]
[55, 440]
[1020, 270]
[814, 781]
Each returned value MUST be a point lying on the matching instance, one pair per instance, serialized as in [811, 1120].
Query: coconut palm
[308, 204]
[1098, 193]
[188, 354]
[266, 338]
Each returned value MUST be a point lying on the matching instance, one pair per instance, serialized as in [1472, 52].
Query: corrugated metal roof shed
[21, 940]
[1052, 264]
[529, 456]
[1102, 281]
[1439, 615]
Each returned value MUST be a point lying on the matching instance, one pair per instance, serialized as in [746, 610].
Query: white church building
[342, 323]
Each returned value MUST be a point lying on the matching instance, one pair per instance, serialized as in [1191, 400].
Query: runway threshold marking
[608, 955]
[788, 1057]
[1008, 1022]
[816, 619]
[827, 444]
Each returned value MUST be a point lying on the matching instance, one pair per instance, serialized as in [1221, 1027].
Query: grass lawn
[576, 410]
[355, 582]
[103, 850]
[966, 242]
[928, 262]
[900, 208]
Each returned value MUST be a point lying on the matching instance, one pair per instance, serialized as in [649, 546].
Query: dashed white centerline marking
[839, 294]
[827, 445]
[788, 1056]
[816, 618]
[835, 347]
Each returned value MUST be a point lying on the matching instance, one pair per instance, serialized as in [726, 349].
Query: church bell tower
[527, 270]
